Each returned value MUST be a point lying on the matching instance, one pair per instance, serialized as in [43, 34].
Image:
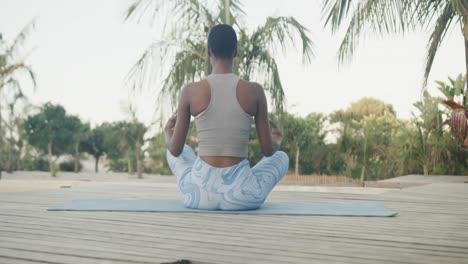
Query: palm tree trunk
[129, 162]
[77, 157]
[296, 170]
[465, 35]
[1, 143]
[138, 161]
[96, 163]
[348, 165]
[363, 173]
[18, 160]
[227, 7]
[364, 162]
[10, 156]
[49, 158]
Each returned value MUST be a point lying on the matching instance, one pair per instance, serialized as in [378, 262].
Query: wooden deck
[431, 227]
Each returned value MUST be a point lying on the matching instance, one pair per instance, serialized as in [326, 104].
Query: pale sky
[82, 51]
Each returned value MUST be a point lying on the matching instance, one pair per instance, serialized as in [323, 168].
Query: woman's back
[223, 127]
[223, 106]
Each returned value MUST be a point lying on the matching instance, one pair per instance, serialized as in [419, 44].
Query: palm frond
[234, 11]
[20, 38]
[144, 8]
[187, 68]
[266, 69]
[379, 16]
[424, 12]
[281, 30]
[460, 6]
[132, 9]
[440, 30]
[142, 72]
[12, 69]
[155, 58]
[186, 12]
[335, 11]
[194, 11]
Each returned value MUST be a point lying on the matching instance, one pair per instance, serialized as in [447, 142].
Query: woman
[223, 106]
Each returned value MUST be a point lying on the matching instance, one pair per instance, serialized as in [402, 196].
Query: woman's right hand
[276, 135]
[169, 128]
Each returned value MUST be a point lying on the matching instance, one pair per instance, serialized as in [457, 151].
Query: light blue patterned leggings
[238, 187]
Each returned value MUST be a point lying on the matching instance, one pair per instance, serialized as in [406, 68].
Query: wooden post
[296, 170]
[49, 158]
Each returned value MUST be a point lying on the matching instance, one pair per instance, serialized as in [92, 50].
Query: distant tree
[429, 126]
[136, 133]
[364, 131]
[403, 149]
[157, 151]
[303, 138]
[79, 131]
[374, 135]
[346, 145]
[157, 155]
[119, 145]
[93, 144]
[50, 131]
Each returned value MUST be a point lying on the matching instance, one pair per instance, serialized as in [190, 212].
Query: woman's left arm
[177, 126]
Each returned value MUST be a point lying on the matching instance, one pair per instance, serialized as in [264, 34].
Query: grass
[291, 179]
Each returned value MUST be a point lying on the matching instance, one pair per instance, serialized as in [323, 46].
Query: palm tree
[184, 51]
[11, 66]
[397, 16]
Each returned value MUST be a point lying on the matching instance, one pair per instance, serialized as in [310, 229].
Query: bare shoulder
[197, 95]
[252, 88]
[249, 95]
[194, 88]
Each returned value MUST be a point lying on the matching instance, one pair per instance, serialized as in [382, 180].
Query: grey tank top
[223, 128]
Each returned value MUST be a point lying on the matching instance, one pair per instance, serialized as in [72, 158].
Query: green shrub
[35, 164]
[69, 166]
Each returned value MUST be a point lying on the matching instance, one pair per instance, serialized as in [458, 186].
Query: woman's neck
[222, 67]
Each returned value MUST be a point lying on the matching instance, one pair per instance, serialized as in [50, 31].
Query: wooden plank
[17, 260]
[51, 257]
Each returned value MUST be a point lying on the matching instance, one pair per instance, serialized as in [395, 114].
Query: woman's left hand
[169, 128]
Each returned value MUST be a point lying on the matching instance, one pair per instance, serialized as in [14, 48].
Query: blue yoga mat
[362, 208]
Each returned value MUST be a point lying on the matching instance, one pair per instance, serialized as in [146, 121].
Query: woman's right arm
[268, 145]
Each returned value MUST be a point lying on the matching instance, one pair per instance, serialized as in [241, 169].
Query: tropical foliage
[365, 141]
[51, 132]
[456, 99]
[93, 144]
